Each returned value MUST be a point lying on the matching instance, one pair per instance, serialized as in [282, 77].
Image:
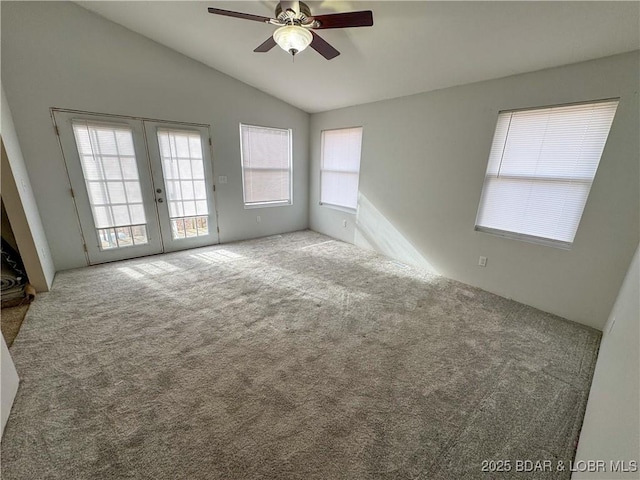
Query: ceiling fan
[296, 25]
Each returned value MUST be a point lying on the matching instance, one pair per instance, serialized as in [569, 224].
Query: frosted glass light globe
[292, 39]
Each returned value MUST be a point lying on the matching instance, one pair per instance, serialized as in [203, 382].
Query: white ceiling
[413, 46]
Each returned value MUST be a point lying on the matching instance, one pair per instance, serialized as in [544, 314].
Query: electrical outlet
[258, 219]
[482, 261]
[344, 223]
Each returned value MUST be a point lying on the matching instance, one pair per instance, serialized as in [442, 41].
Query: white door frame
[62, 119]
[170, 245]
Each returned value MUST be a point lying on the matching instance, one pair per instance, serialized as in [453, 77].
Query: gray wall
[422, 171]
[57, 54]
[610, 429]
[19, 198]
[9, 382]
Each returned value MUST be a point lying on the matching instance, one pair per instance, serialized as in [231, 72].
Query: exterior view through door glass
[184, 186]
[140, 187]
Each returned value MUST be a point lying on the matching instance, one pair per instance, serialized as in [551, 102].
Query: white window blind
[340, 167]
[266, 165]
[184, 179]
[541, 167]
[110, 171]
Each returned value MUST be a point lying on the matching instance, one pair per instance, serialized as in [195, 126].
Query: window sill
[545, 242]
[340, 208]
[248, 206]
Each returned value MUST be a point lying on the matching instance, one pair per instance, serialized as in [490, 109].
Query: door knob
[160, 200]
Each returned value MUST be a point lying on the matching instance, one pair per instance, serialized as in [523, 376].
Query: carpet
[11, 319]
[289, 357]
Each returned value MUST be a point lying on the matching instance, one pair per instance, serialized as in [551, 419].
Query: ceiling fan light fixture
[292, 39]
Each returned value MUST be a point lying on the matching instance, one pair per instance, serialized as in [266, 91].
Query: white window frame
[545, 241]
[333, 206]
[283, 203]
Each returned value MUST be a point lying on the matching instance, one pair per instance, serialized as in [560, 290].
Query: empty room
[320, 240]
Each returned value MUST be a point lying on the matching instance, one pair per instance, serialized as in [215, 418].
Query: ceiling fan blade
[344, 20]
[322, 47]
[245, 16]
[268, 44]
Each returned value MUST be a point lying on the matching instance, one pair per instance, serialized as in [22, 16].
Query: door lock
[158, 190]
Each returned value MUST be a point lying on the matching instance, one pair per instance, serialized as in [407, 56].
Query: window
[266, 165]
[340, 167]
[541, 167]
[183, 171]
[111, 176]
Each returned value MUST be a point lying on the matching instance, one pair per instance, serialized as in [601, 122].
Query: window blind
[540, 170]
[111, 173]
[266, 165]
[185, 184]
[340, 167]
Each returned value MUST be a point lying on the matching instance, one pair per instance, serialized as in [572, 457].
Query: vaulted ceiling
[413, 46]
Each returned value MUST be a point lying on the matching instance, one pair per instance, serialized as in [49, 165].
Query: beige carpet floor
[289, 357]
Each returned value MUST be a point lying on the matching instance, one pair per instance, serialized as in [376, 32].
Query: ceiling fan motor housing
[288, 17]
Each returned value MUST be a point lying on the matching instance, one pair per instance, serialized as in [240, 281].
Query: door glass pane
[183, 171]
[110, 171]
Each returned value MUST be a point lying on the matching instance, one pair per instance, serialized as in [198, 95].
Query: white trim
[554, 105]
[340, 208]
[248, 206]
[525, 238]
[128, 117]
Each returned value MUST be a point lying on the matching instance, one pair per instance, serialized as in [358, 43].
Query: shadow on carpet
[11, 319]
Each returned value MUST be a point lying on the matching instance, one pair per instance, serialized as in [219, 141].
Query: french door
[140, 187]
